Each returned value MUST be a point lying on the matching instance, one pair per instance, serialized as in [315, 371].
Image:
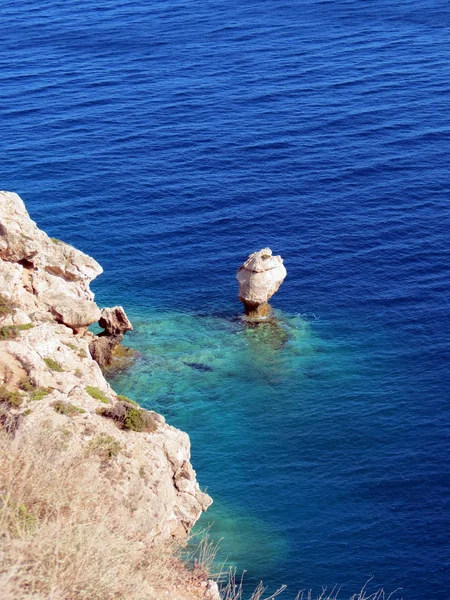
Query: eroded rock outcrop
[115, 324]
[115, 321]
[259, 278]
[44, 277]
[48, 377]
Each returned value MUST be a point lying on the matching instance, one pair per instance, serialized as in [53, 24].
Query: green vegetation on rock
[53, 365]
[36, 393]
[6, 306]
[12, 399]
[40, 393]
[71, 346]
[126, 399]
[67, 408]
[105, 446]
[9, 332]
[129, 417]
[27, 385]
[138, 419]
[97, 394]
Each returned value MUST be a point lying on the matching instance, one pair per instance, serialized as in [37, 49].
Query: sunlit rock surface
[45, 308]
[259, 278]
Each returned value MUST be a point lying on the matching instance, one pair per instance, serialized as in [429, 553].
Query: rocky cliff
[49, 380]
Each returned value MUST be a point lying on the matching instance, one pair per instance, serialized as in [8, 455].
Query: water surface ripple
[169, 139]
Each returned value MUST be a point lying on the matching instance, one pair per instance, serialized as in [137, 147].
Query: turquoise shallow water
[170, 139]
[218, 378]
[294, 433]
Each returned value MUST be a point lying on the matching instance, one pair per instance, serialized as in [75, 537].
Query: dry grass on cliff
[62, 536]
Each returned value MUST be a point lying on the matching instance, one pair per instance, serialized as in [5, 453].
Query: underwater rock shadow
[198, 366]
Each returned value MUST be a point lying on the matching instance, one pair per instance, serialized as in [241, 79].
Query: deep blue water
[171, 139]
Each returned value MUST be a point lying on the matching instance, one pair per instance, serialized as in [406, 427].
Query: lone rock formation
[259, 278]
[115, 324]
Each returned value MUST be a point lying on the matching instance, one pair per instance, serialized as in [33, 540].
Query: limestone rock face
[102, 347]
[45, 308]
[73, 312]
[115, 321]
[22, 240]
[259, 278]
[41, 274]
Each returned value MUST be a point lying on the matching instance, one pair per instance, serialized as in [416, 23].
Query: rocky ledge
[49, 378]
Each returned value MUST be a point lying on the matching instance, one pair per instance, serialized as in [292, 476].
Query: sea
[170, 139]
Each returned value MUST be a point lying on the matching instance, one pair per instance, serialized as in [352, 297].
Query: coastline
[55, 399]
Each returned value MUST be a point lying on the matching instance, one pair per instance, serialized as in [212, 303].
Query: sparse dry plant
[67, 408]
[6, 306]
[233, 589]
[104, 446]
[64, 535]
[10, 332]
[13, 399]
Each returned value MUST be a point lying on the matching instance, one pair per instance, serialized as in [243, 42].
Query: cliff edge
[55, 399]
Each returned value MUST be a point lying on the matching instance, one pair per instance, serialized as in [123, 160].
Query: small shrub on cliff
[126, 399]
[53, 365]
[6, 306]
[127, 416]
[71, 346]
[36, 393]
[138, 419]
[12, 399]
[97, 394]
[27, 384]
[10, 332]
[105, 446]
[40, 393]
[67, 408]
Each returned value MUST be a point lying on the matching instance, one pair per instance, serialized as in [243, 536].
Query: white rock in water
[259, 278]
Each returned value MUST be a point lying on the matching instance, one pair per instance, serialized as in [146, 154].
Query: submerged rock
[102, 347]
[198, 366]
[259, 278]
